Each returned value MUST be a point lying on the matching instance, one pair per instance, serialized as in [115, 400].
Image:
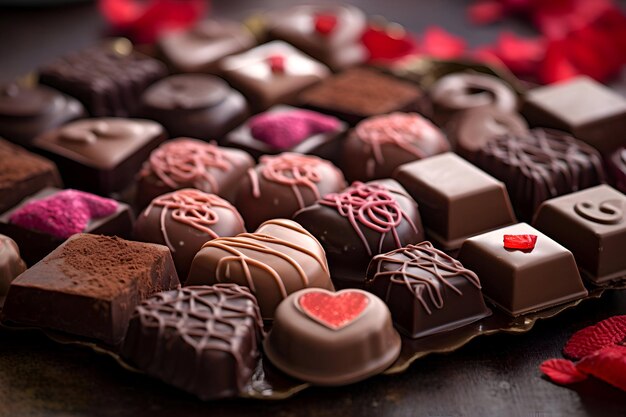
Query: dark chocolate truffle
[521, 281]
[332, 338]
[89, 286]
[379, 144]
[283, 184]
[101, 155]
[272, 73]
[592, 224]
[540, 165]
[25, 112]
[426, 290]
[203, 340]
[195, 105]
[617, 168]
[189, 163]
[22, 174]
[185, 220]
[11, 265]
[278, 259]
[362, 221]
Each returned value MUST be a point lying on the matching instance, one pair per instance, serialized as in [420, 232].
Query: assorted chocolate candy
[11, 264]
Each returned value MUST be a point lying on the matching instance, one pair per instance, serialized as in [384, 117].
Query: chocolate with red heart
[332, 338]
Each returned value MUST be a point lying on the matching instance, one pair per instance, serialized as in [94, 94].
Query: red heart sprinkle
[333, 310]
[562, 371]
[276, 63]
[523, 242]
[325, 23]
[593, 338]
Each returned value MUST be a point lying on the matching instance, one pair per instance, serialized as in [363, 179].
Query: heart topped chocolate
[333, 310]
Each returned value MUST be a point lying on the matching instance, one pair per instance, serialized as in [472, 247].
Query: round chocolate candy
[11, 265]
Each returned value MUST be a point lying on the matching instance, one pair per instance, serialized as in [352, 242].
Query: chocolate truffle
[363, 220]
[286, 128]
[22, 174]
[332, 338]
[89, 286]
[200, 48]
[11, 265]
[426, 290]
[463, 91]
[196, 105]
[189, 163]
[108, 79]
[592, 224]
[272, 73]
[540, 165]
[44, 220]
[283, 184]
[100, 155]
[617, 168]
[25, 112]
[522, 281]
[358, 93]
[184, 220]
[278, 259]
[379, 144]
[456, 199]
[203, 340]
[581, 106]
[329, 33]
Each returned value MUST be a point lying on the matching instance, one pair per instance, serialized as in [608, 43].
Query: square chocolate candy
[456, 199]
[592, 224]
[521, 281]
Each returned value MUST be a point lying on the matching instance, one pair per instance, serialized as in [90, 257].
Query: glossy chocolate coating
[426, 290]
[363, 347]
[278, 259]
[581, 106]
[39, 243]
[195, 105]
[25, 112]
[379, 144]
[184, 220]
[358, 93]
[89, 286]
[252, 73]
[190, 163]
[339, 48]
[362, 221]
[22, 174]
[592, 224]
[456, 199]
[203, 340]
[617, 168]
[100, 155]
[198, 50]
[522, 281]
[540, 165]
[283, 184]
[11, 265]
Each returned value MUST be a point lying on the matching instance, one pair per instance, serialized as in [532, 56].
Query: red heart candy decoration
[333, 310]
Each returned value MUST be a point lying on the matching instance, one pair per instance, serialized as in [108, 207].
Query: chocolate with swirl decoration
[283, 184]
[278, 259]
[362, 221]
[426, 290]
[203, 340]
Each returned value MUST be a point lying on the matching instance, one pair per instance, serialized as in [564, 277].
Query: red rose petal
[485, 11]
[562, 371]
[593, 338]
[521, 55]
[524, 242]
[325, 23]
[608, 364]
[556, 65]
[440, 44]
[385, 46]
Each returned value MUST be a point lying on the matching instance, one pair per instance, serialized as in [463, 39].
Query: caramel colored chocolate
[278, 259]
[592, 224]
[522, 281]
[89, 286]
[11, 265]
[456, 199]
[331, 338]
[203, 340]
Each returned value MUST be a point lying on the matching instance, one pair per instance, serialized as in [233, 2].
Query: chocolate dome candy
[25, 112]
[426, 290]
[184, 220]
[332, 338]
[195, 105]
[378, 145]
[363, 220]
[190, 163]
[203, 340]
[11, 265]
[283, 184]
[278, 259]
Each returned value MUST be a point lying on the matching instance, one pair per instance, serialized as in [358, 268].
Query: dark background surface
[491, 376]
